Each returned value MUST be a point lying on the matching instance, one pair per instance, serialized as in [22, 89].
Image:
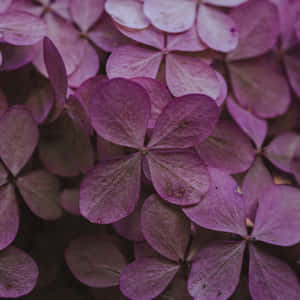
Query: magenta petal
[18, 138]
[120, 110]
[146, 278]
[128, 13]
[171, 15]
[222, 208]
[95, 261]
[185, 122]
[179, 177]
[256, 182]
[225, 3]
[277, 220]
[110, 190]
[165, 228]
[19, 273]
[4, 5]
[69, 201]
[271, 278]
[132, 61]
[215, 273]
[228, 148]
[9, 216]
[40, 191]
[254, 127]
[291, 61]
[256, 35]
[189, 75]
[260, 87]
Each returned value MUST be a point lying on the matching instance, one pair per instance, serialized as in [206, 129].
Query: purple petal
[120, 110]
[108, 150]
[256, 35]
[165, 228]
[69, 201]
[277, 220]
[228, 148]
[3, 175]
[128, 13]
[189, 75]
[146, 278]
[131, 61]
[18, 138]
[225, 3]
[217, 29]
[271, 278]
[254, 127]
[110, 190]
[62, 9]
[16, 28]
[4, 5]
[222, 208]
[171, 15]
[86, 13]
[179, 177]
[9, 220]
[260, 87]
[19, 273]
[215, 273]
[95, 261]
[297, 27]
[185, 122]
[256, 182]
[40, 190]
[223, 89]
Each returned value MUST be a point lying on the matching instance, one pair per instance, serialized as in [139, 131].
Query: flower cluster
[150, 149]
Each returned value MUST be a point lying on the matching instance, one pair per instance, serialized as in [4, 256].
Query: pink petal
[256, 35]
[95, 261]
[179, 177]
[188, 75]
[69, 201]
[120, 110]
[228, 148]
[86, 13]
[291, 61]
[217, 29]
[18, 138]
[271, 278]
[146, 278]
[225, 3]
[62, 9]
[215, 273]
[128, 13]
[185, 122]
[222, 208]
[19, 273]
[165, 228]
[131, 61]
[223, 89]
[9, 212]
[171, 15]
[110, 190]
[277, 220]
[4, 5]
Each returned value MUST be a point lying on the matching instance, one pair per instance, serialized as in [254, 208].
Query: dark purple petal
[222, 208]
[215, 273]
[179, 177]
[19, 136]
[3, 103]
[3, 175]
[110, 190]
[146, 278]
[69, 201]
[177, 290]
[143, 249]
[120, 110]
[95, 261]
[108, 150]
[165, 228]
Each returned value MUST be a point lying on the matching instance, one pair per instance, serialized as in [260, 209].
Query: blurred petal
[69, 201]
[223, 89]
[3, 103]
[4, 4]
[225, 3]
[108, 150]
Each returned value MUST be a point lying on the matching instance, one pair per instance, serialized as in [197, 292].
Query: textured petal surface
[188, 75]
[228, 148]
[95, 261]
[215, 273]
[18, 138]
[165, 228]
[111, 190]
[40, 190]
[179, 177]
[277, 220]
[171, 15]
[271, 278]
[120, 110]
[185, 122]
[69, 201]
[153, 275]
[222, 208]
[19, 273]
